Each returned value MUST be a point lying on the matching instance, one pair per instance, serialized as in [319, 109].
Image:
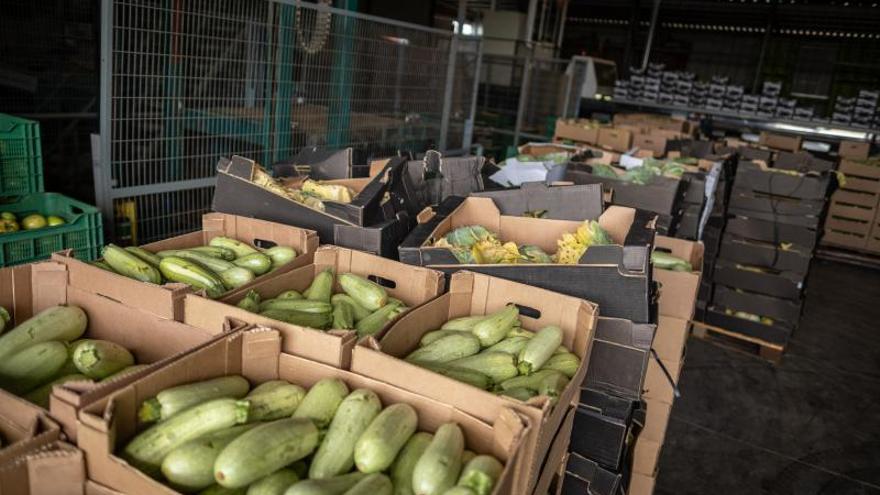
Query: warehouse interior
[678, 199]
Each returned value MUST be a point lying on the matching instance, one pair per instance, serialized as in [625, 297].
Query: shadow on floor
[808, 426]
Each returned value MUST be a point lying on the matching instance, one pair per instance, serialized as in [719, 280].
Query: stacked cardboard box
[853, 218]
[766, 247]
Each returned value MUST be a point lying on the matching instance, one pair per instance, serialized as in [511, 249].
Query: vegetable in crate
[376, 449]
[494, 327]
[573, 246]
[539, 349]
[480, 474]
[335, 456]
[274, 399]
[666, 261]
[191, 466]
[405, 463]
[4, 318]
[275, 483]
[99, 359]
[321, 401]
[171, 401]
[337, 485]
[439, 466]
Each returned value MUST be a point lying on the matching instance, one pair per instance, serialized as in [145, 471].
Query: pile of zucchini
[218, 436]
[47, 350]
[362, 305]
[224, 264]
[494, 352]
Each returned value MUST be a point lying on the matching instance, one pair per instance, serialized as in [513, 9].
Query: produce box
[777, 332]
[854, 150]
[30, 289]
[413, 285]
[657, 416]
[678, 289]
[614, 276]
[802, 161]
[646, 457]
[664, 370]
[619, 357]
[653, 142]
[755, 303]
[764, 254]
[780, 141]
[369, 223]
[784, 209]
[759, 178]
[860, 177]
[320, 164]
[619, 140]
[583, 475]
[580, 131]
[575, 203]
[166, 300]
[786, 285]
[640, 484]
[24, 427]
[662, 195]
[57, 468]
[604, 427]
[256, 354]
[767, 231]
[551, 470]
[476, 294]
[81, 232]
[21, 156]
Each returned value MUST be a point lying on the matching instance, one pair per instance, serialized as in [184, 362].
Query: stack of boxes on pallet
[773, 225]
[853, 221]
[857, 111]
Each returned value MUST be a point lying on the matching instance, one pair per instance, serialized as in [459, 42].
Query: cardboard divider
[604, 427]
[166, 300]
[150, 338]
[678, 290]
[476, 294]
[619, 356]
[583, 475]
[256, 354]
[23, 427]
[56, 468]
[551, 470]
[413, 285]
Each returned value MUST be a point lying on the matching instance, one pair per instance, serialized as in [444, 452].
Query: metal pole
[530, 21]
[468, 138]
[563, 17]
[527, 71]
[651, 30]
[102, 170]
[450, 76]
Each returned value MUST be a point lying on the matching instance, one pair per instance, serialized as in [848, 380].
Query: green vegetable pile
[219, 436]
[666, 261]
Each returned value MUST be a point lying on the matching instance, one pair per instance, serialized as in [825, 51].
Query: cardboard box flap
[576, 203]
[317, 163]
[56, 468]
[690, 251]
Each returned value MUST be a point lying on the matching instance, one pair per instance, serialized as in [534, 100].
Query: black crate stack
[773, 221]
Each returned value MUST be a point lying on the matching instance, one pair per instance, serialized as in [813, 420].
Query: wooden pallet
[849, 255]
[738, 342]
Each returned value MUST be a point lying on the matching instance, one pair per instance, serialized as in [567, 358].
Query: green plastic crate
[21, 156]
[83, 232]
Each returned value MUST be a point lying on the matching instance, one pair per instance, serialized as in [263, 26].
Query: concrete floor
[808, 426]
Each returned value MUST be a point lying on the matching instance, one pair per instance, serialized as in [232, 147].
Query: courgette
[321, 287]
[311, 320]
[236, 277]
[145, 255]
[99, 359]
[379, 445]
[258, 263]
[372, 484]
[239, 248]
[216, 265]
[519, 393]
[147, 449]
[499, 366]
[439, 334]
[519, 332]
[173, 400]
[180, 270]
[125, 371]
[4, 318]
[64, 323]
[250, 302]
[532, 381]
[494, 327]
[303, 305]
[403, 466]
[466, 456]
[322, 401]
[470, 377]
[438, 468]
[337, 485]
[539, 349]
[129, 265]
[566, 363]
[377, 320]
[335, 456]
[40, 395]
[343, 316]
[222, 490]
[360, 312]
[274, 484]
[459, 490]
[465, 323]
[215, 251]
[264, 450]
[32, 367]
[481, 474]
[510, 345]
[190, 466]
[370, 295]
[446, 349]
[289, 294]
[274, 399]
[280, 256]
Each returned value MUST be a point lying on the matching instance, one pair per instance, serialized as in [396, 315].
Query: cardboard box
[678, 290]
[780, 141]
[551, 470]
[256, 355]
[368, 223]
[614, 276]
[579, 131]
[854, 150]
[656, 422]
[761, 179]
[653, 142]
[859, 177]
[779, 208]
[786, 285]
[619, 140]
[476, 294]
[646, 456]
[24, 427]
[56, 468]
[670, 339]
[777, 333]
[604, 427]
[166, 301]
[619, 357]
[857, 198]
[662, 195]
[583, 476]
[151, 339]
[758, 304]
[756, 229]
[412, 285]
[764, 254]
[640, 484]
[658, 385]
[575, 203]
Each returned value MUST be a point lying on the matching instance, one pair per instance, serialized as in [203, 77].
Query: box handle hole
[527, 311]
[384, 282]
[264, 244]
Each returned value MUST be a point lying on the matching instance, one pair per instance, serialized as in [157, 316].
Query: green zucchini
[343, 316]
[264, 450]
[216, 265]
[372, 484]
[274, 484]
[494, 327]
[147, 450]
[379, 445]
[519, 393]
[446, 349]
[129, 265]
[4, 318]
[539, 349]
[438, 468]
[464, 323]
[289, 294]
[481, 474]
[40, 395]
[124, 371]
[510, 345]
[321, 287]
[311, 320]
[145, 255]
[280, 256]
[435, 335]
[236, 277]
[274, 399]
[337, 485]
[335, 456]
[302, 305]
[466, 456]
[222, 490]
[566, 363]
[498, 366]
[459, 490]
[370, 295]
[470, 377]
[190, 466]
[532, 381]
[32, 367]
[99, 359]
[360, 312]
[250, 302]
[215, 251]
[239, 248]
[178, 269]
[377, 320]
[258, 263]
[519, 332]
[65, 323]
[173, 400]
[322, 401]
[403, 466]
[552, 385]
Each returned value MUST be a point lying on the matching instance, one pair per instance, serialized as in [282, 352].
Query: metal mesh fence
[192, 80]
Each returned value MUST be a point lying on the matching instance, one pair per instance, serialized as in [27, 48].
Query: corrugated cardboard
[552, 469]
[854, 150]
[577, 130]
[670, 339]
[640, 484]
[646, 456]
[166, 300]
[584, 476]
[55, 469]
[256, 354]
[780, 141]
[24, 427]
[619, 140]
[575, 203]
[476, 294]
[412, 285]
[657, 385]
[150, 339]
[604, 427]
[678, 290]
[652, 142]
[656, 421]
[662, 195]
[619, 356]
